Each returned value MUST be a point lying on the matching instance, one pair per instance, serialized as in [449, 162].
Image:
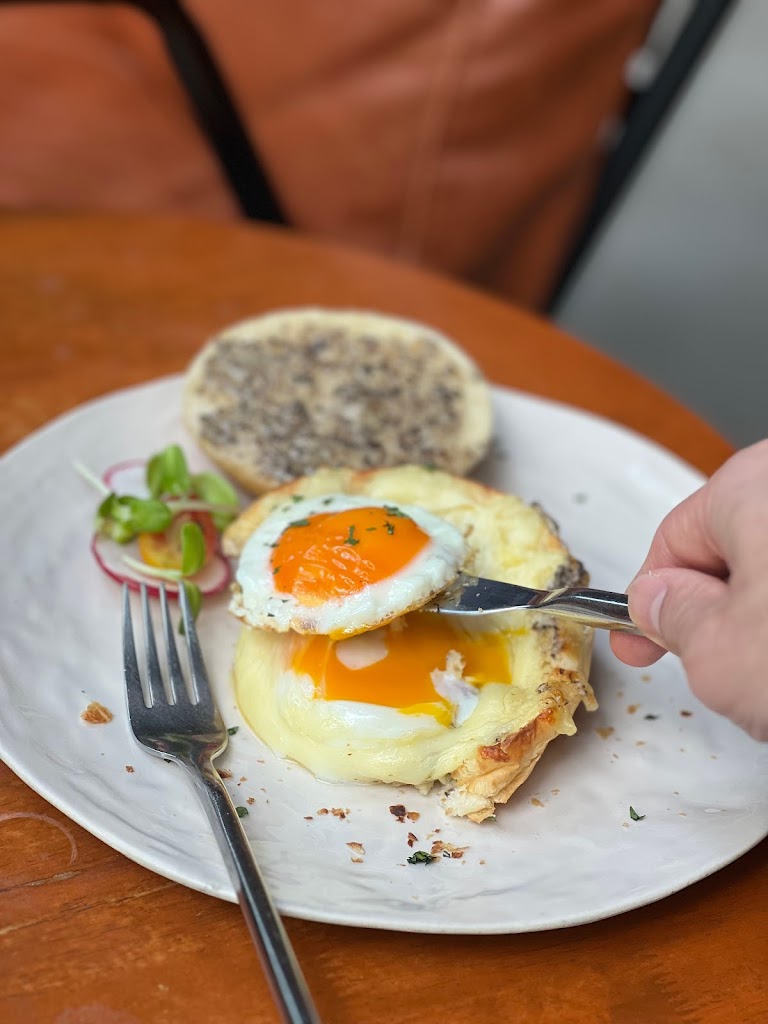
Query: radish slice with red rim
[213, 578]
[129, 477]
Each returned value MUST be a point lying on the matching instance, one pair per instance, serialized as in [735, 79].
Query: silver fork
[189, 730]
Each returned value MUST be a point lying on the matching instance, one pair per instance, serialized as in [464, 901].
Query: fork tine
[175, 674]
[155, 688]
[133, 688]
[200, 684]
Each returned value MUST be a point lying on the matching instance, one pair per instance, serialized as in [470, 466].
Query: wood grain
[92, 304]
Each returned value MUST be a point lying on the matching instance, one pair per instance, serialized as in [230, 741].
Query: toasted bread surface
[281, 395]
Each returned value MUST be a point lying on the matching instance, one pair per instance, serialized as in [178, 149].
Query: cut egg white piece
[340, 565]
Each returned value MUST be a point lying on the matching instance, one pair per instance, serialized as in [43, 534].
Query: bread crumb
[97, 714]
[632, 708]
[129, 768]
[225, 773]
[322, 810]
[251, 800]
[605, 731]
[399, 812]
[357, 848]
[447, 850]
[536, 802]
[340, 812]
[412, 839]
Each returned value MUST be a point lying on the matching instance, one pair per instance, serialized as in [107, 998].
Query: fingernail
[648, 593]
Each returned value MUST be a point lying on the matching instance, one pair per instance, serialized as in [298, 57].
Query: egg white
[259, 604]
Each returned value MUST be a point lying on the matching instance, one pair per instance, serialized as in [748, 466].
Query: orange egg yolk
[335, 554]
[415, 646]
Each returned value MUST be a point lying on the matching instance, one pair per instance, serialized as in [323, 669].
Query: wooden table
[88, 305]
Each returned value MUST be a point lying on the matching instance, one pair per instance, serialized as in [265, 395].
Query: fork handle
[280, 965]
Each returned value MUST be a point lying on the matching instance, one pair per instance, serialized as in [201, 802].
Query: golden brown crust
[496, 771]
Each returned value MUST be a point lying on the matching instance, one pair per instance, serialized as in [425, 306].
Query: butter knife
[473, 595]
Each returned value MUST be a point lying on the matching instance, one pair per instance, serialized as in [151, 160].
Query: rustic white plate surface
[564, 850]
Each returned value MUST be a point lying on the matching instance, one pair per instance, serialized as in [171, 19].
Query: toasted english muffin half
[278, 396]
[477, 758]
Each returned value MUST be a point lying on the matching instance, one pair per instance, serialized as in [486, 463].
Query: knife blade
[473, 595]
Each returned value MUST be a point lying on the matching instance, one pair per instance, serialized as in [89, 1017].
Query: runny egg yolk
[410, 650]
[336, 554]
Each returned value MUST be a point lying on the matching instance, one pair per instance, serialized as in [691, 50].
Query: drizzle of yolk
[416, 646]
[335, 554]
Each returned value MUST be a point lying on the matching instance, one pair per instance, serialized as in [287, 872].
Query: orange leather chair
[467, 135]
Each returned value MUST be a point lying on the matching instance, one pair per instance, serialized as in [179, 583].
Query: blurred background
[603, 163]
[676, 281]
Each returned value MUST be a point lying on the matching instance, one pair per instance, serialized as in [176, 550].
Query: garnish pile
[158, 521]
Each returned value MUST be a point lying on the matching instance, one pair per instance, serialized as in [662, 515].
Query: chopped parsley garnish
[650, 718]
[241, 811]
[390, 527]
[233, 729]
[351, 538]
[393, 510]
[421, 857]
[327, 501]
[634, 815]
[297, 497]
[276, 570]
[370, 529]
[299, 522]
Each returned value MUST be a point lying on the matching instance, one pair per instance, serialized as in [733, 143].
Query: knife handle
[600, 608]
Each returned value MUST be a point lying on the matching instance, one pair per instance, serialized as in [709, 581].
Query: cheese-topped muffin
[468, 704]
[279, 396]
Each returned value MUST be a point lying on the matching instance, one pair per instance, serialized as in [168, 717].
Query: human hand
[702, 592]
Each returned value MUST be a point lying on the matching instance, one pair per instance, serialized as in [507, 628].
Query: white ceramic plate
[563, 851]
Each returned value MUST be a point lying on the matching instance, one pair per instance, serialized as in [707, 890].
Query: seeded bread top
[281, 395]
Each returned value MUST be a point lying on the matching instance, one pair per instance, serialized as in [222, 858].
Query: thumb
[671, 606]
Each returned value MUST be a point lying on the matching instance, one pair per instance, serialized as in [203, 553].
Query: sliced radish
[213, 578]
[129, 477]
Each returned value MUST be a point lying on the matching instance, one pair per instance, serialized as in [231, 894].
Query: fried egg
[340, 565]
[466, 704]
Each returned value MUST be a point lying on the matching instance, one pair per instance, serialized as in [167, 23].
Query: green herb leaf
[299, 522]
[351, 538]
[192, 549]
[122, 517]
[217, 491]
[233, 729]
[390, 527]
[167, 473]
[421, 857]
[241, 811]
[393, 510]
[297, 497]
[634, 815]
[195, 600]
